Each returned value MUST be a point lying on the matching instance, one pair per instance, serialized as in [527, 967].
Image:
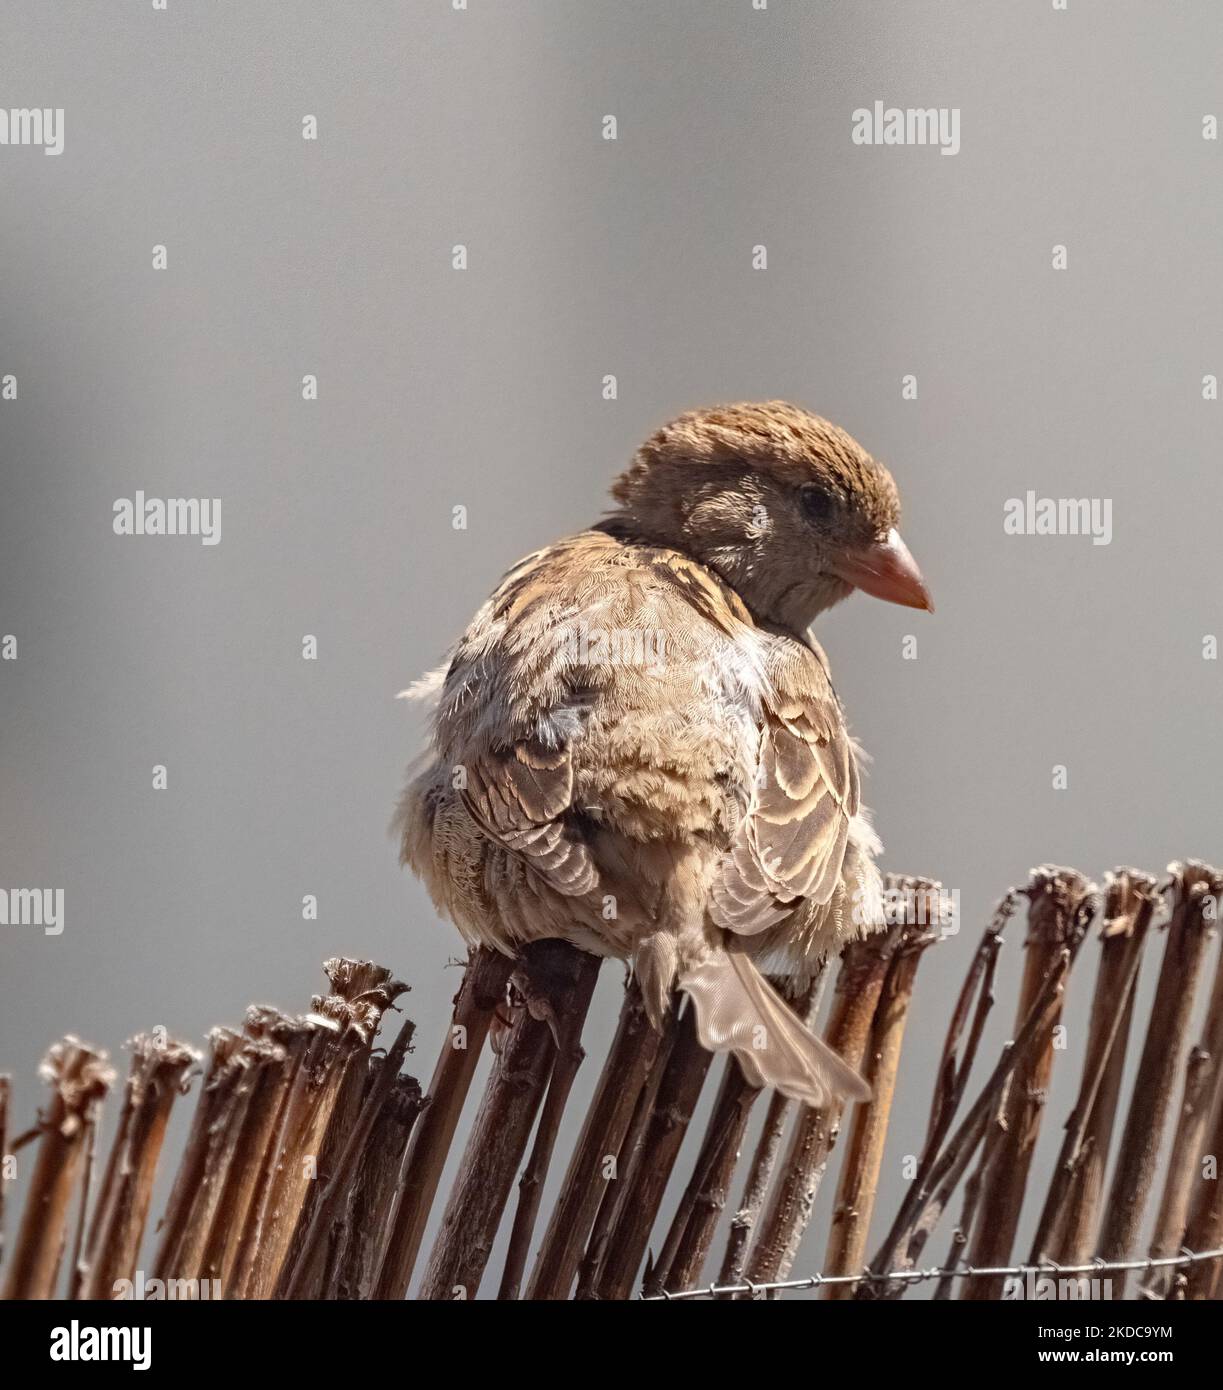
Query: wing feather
[792, 841]
[518, 796]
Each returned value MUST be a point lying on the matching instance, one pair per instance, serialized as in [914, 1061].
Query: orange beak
[886, 570]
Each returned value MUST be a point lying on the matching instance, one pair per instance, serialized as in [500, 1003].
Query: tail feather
[738, 1011]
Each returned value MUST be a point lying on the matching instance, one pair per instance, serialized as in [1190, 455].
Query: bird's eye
[816, 502]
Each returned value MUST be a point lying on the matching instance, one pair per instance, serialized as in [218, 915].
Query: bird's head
[787, 508]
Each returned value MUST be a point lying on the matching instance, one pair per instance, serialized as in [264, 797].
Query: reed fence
[312, 1163]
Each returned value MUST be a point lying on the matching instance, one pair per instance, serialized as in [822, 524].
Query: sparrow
[636, 745]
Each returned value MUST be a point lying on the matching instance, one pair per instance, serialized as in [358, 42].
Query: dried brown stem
[764, 1158]
[569, 1057]
[1069, 1221]
[1204, 1230]
[302, 1278]
[158, 1072]
[972, 1009]
[1061, 902]
[79, 1077]
[939, 1172]
[294, 1164]
[76, 1265]
[864, 967]
[945, 1288]
[263, 1237]
[6, 1086]
[975, 1002]
[263, 1072]
[678, 1092]
[1201, 1094]
[696, 1218]
[1162, 1052]
[618, 1182]
[628, 1063]
[546, 985]
[859, 1179]
[481, 991]
[356, 1256]
[184, 1227]
[361, 993]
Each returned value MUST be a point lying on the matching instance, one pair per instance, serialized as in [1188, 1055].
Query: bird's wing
[791, 842]
[508, 716]
[519, 796]
[527, 679]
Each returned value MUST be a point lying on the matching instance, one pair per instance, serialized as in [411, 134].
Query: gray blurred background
[483, 388]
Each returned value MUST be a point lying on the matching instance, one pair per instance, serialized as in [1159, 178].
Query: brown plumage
[637, 747]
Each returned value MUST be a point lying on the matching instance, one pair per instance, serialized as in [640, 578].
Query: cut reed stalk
[859, 1180]
[481, 991]
[1061, 903]
[592, 1170]
[80, 1077]
[547, 992]
[1162, 1054]
[361, 993]
[766, 1153]
[1204, 1229]
[158, 1072]
[262, 1073]
[619, 1181]
[944, 1163]
[201, 1169]
[6, 1088]
[679, 1090]
[282, 1126]
[1202, 1093]
[356, 1256]
[695, 1221]
[569, 1057]
[864, 967]
[302, 1277]
[1069, 1221]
